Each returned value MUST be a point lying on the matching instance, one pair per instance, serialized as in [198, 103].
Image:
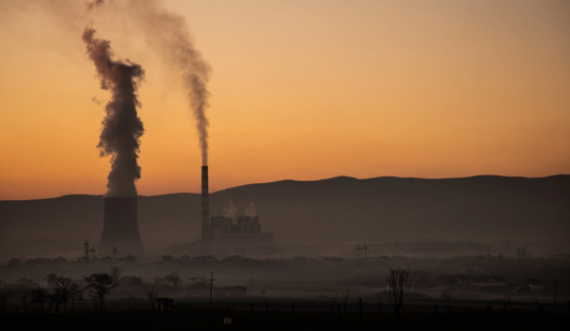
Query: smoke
[122, 128]
[250, 211]
[94, 4]
[168, 33]
[230, 211]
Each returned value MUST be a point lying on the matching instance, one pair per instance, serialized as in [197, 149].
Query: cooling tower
[205, 204]
[121, 228]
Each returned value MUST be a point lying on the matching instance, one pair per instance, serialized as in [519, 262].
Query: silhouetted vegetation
[100, 285]
[396, 283]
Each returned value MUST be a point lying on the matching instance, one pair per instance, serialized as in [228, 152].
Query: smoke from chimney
[122, 128]
[168, 33]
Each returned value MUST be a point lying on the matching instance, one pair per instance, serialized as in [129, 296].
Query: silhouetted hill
[334, 210]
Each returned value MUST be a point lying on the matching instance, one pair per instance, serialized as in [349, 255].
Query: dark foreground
[298, 316]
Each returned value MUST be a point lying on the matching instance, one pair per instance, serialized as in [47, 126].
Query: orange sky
[300, 90]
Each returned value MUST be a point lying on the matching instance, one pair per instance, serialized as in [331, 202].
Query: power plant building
[221, 236]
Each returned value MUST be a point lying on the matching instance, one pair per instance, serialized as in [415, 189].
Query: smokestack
[205, 203]
[120, 227]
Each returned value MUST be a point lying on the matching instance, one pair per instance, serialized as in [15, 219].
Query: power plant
[227, 235]
[220, 235]
[120, 227]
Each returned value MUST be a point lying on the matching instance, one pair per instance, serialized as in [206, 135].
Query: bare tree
[75, 293]
[447, 296]
[40, 297]
[4, 299]
[506, 302]
[152, 295]
[24, 301]
[116, 273]
[345, 303]
[396, 282]
[100, 285]
[174, 279]
[61, 292]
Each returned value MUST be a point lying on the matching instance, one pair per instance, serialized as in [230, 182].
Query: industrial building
[246, 231]
[226, 236]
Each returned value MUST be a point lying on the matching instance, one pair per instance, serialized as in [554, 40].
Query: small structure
[164, 304]
[130, 281]
[167, 259]
[419, 279]
[532, 284]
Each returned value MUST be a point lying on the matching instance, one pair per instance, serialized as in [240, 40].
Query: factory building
[221, 235]
[246, 231]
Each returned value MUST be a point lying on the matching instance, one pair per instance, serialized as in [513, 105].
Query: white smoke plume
[230, 211]
[122, 128]
[250, 211]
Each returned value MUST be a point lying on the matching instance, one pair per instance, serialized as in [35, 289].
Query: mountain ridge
[338, 209]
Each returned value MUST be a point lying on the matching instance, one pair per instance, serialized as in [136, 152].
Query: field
[288, 314]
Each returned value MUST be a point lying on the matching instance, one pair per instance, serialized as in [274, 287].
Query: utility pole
[115, 254]
[555, 287]
[212, 279]
[86, 252]
[365, 250]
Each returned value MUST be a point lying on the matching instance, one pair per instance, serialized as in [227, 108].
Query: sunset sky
[300, 90]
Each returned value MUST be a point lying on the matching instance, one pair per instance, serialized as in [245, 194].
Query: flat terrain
[306, 315]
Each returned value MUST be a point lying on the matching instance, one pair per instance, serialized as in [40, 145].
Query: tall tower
[206, 231]
[121, 228]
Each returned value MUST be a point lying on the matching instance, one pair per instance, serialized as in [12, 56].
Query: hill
[341, 209]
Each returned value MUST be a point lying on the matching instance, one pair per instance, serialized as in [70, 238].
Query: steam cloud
[168, 33]
[250, 211]
[230, 211]
[122, 128]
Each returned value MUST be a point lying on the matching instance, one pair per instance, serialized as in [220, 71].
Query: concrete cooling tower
[121, 228]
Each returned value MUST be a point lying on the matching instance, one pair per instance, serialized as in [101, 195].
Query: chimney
[120, 227]
[205, 204]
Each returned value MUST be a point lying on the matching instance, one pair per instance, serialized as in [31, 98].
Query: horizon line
[301, 181]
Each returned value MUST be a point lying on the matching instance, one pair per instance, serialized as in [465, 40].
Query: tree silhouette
[4, 298]
[396, 282]
[116, 273]
[40, 297]
[75, 293]
[61, 292]
[174, 279]
[152, 295]
[100, 285]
